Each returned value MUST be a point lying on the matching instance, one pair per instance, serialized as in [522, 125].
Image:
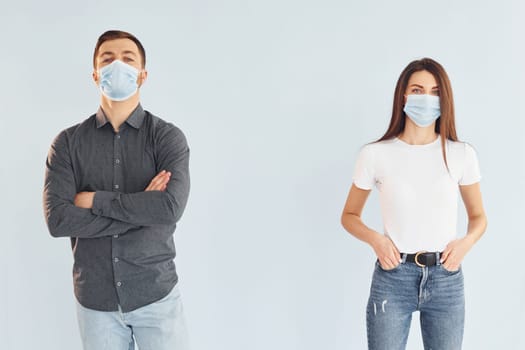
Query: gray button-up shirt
[123, 247]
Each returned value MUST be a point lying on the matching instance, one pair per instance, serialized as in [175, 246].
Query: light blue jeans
[157, 326]
[395, 294]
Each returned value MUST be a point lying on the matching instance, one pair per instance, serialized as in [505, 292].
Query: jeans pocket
[378, 265]
[448, 271]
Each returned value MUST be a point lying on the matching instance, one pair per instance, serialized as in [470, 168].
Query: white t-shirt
[418, 196]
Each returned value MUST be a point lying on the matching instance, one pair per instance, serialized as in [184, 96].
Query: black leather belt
[423, 259]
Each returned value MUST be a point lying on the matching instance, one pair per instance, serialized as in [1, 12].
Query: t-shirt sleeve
[364, 176]
[471, 173]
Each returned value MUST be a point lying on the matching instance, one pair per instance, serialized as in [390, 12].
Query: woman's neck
[415, 135]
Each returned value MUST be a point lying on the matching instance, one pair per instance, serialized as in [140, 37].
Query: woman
[418, 166]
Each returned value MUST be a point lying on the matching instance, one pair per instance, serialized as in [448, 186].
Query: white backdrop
[275, 97]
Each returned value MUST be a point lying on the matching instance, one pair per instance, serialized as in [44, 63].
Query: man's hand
[84, 200]
[159, 182]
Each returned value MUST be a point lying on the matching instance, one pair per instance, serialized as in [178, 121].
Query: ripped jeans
[433, 291]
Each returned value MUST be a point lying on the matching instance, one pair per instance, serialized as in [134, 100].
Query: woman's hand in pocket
[455, 252]
[386, 252]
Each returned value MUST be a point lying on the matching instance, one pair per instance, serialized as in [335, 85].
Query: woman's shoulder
[461, 153]
[377, 148]
[459, 146]
[375, 145]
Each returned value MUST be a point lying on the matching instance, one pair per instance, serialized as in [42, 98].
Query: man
[117, 183]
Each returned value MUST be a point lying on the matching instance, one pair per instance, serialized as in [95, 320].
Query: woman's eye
[417, 91]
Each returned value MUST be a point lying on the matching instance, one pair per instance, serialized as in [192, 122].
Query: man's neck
[118, 112]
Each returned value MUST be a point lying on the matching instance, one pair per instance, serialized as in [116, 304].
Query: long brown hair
[445, 124]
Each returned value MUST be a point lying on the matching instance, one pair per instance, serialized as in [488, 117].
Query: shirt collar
[135, 119]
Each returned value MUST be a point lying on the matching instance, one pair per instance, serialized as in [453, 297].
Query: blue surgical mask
[422, 109]
[118, 80]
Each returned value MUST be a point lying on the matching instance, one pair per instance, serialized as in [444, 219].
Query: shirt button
[115, 260]
[119, 284]
[115, 236]
[116, 187]
[118, 136]
[117, 161]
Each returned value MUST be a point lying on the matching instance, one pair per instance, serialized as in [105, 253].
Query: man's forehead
[118, 45]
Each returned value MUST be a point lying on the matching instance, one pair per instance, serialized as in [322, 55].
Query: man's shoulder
[71, 132]
[73, 129]
[162, 127]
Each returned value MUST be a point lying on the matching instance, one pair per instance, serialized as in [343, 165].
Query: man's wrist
[102, 201]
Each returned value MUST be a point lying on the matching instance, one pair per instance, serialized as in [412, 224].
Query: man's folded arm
[153, 207]
[63, 218]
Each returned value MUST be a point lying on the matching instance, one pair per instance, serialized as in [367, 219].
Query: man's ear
[95, 76]
[143, 75]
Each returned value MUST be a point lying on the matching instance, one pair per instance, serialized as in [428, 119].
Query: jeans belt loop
[404, 258]
[438, 258]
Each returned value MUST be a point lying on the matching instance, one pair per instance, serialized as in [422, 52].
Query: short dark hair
[118, 34]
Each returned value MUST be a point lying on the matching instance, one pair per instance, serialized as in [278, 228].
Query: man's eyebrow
[127, 52]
